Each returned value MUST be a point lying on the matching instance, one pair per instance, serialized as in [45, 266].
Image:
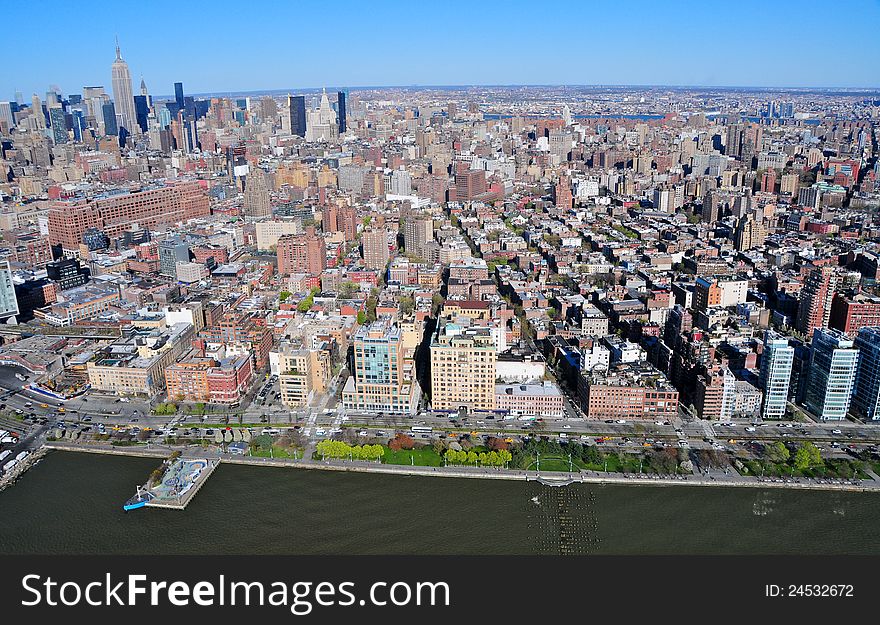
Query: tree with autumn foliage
[401, 441]
[493, 443]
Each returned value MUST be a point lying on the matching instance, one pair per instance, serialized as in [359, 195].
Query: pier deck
[181, 482]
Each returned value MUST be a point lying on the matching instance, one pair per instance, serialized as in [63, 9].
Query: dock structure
[180, 483]
[554, 481]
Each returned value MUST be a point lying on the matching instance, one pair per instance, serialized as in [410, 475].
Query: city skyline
[435, 48]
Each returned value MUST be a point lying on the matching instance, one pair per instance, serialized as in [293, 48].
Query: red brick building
[848, 314]
[301, 253]
[201, 379]
[114, 214]
[470, 184]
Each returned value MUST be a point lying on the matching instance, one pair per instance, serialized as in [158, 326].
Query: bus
[422, 428]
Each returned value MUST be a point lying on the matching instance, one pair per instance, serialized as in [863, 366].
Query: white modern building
[776, 363]
[832, 374]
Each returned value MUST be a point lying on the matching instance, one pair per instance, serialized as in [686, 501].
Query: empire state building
[122, 94]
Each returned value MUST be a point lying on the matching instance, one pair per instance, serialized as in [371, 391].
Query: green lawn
[277, 452]
[556, 463]
[628, 463]
[420, 457]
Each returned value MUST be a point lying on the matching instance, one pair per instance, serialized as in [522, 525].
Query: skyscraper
[814, 308]
[833, 364]
[59, 124]
[749, 233]
[142, 104]
[562, 191]
[341, 111]
[6, 114]
[566, 115]
[375, 248]
[108, 111]
[463, 361]
[321, 123]
[301, 253]
[418, 231]
[776, 362]
[39, 116]
[380, 380]
[8, 302]
[866, 398]
[297, 106]
[122, 92]
[256, 195]
[178, 95]
[470, 184]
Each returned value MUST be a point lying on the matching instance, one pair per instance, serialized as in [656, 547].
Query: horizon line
[874, 89]
[460, 86]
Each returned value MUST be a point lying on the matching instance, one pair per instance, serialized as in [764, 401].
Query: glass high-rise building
[297, 105]
[380, 380]
[340, 111]
[8, 302]
[142, 110]
[833, 363]
[110, 126]
[171, 252]
[866, 399]
[164, 117]
[178, 95]
[59, 124]
[79, 124]
[776, 363]
[6, 114]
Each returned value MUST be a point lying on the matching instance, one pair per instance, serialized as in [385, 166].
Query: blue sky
[252, 45]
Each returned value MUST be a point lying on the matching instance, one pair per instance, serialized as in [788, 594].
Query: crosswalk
[310, 423]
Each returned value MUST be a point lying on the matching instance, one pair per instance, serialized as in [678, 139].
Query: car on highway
[620, 421]
[750, 428]
[836, 431]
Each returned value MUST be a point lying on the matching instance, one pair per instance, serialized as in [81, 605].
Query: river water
[71, 503]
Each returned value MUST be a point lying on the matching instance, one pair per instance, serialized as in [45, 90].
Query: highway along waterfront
[70, 503]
